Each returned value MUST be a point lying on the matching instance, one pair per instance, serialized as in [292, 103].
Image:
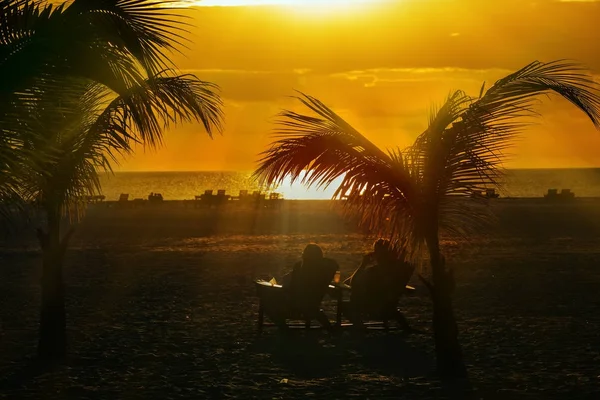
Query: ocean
[584, 182]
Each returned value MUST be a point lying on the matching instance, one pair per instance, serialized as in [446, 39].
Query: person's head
[312, 252]
[383, 251]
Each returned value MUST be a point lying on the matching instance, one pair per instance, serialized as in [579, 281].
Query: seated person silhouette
[304, 288]
[376, 289]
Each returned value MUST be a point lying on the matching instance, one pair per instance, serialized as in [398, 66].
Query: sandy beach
[161, 305]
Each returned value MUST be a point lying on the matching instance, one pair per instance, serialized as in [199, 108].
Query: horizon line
[250, 171]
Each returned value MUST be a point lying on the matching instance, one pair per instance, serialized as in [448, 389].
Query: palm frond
[141, 114]
[96, 129]
[316, 145]
[103, 40]
[59, 64]
[149, 29]
[413, 194]
[376, 185]
[463, 149]
[476, 142]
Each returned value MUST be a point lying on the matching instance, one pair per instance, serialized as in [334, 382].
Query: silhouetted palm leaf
[118, 44]
[98, 128]
[464, 153]
[412, 194]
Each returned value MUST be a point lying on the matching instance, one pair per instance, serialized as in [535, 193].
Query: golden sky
[380, 64]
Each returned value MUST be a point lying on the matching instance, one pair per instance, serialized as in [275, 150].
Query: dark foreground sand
[161, 305]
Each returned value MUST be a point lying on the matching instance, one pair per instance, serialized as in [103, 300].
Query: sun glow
[301, 5]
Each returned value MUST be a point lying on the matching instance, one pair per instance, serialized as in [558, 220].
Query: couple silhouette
[376, 286]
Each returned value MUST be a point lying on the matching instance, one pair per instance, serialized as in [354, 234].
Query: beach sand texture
[161, 305]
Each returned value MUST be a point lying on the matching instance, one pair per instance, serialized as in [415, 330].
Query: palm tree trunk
[449, 358]
[52, 343]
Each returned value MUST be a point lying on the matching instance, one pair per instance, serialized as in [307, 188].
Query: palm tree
[113, 42]
[425, 190]
[67, 116]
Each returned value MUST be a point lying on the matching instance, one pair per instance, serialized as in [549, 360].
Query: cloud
[378, 76]
[381, 71]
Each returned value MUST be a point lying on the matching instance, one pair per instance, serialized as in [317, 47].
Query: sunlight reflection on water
[186, 185]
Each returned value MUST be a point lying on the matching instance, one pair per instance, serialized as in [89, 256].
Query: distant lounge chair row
[92, 199]
[565, 194]
[256, 199]
[153, 198]
[486, 194]
[208, 199]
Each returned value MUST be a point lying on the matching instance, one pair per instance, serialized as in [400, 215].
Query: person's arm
[286, 280]
[367, 258]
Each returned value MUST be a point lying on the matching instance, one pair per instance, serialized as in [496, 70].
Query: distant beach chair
[486, 194]
[275, 200]
[123, 200]
[567, 194]
[491, 194]
[94, 199]
[552, 194]
[155, 198]
[207, 199]
[198, 199]
[221, 197]
[257, 199]
[243, 199]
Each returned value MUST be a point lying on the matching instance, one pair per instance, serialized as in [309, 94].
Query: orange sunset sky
[380, 64]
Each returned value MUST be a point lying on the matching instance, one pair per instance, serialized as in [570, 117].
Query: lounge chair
[567, 194]
[94, 199]
[378, 315]
[304, 304]
[491, 194]
[552, 194]
[123, 200]
[564, 195]
[155, 198]
[257, 199]
[485, 194]
[206, 199]
[221, 197]
[274, 200]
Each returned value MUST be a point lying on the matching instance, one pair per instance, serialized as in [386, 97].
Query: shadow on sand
[316, 355]
[307, 355]
[27, 372]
